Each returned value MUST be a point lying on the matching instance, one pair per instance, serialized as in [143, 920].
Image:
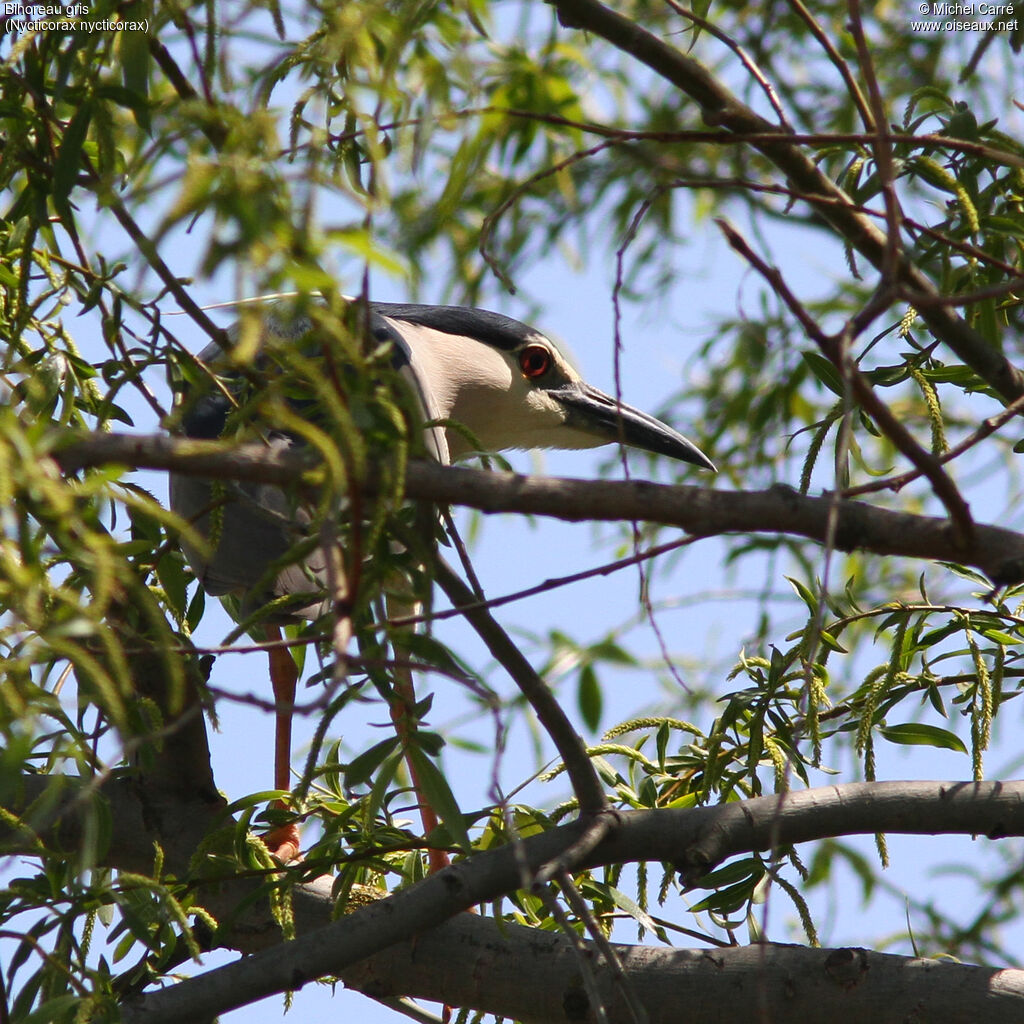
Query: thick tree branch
[997, 552]
[720, 986]
[694, 839]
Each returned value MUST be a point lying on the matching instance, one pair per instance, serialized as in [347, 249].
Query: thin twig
[645, 595]
[745, 59]
[831, 348]
[987, 428]
[852, 86]
[597, 829]
[882, 149]
[596, 1009]
[634, 1007]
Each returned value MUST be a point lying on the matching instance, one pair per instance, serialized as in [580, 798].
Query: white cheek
[480, 387]
[532, 419]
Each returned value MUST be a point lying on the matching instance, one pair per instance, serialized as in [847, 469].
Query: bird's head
[513, 389]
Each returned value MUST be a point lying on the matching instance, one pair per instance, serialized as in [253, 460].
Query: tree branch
[997, 552]
[585, 782]
[720, 986]
[833, 349]
[694, 839]
[719, 107]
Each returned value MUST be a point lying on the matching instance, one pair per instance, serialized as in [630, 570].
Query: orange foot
[283, 843]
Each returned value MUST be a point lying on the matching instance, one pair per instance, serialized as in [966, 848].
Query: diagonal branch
[720, 108]
[925, 462]
[585, 783]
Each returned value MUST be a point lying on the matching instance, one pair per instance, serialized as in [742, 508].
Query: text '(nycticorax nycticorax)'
[505, 382]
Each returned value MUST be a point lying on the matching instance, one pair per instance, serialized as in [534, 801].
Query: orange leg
[404, 726]
[282, 842]
[437, 859]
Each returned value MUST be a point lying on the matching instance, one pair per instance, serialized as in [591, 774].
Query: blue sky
[661, 336]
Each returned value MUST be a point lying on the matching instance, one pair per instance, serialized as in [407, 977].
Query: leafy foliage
[455, 146]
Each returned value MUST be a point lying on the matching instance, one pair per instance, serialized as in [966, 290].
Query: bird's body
[503, 381]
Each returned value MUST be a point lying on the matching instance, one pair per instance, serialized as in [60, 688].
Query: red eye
[534, 361]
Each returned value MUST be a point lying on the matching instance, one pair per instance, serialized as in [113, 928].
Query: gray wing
[250, 526]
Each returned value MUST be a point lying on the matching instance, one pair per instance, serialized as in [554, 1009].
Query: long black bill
[596, 413]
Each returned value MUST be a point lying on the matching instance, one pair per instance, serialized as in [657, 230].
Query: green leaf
[170, 572]
[967, 574]
[432, 652]
[831, 642]
[53, 1009]
[135, 61]
[804, 593]
[608, 650]
[362, 767]
[661, 739]
[69, 158]
[635, 911]
[196, 608]
[825, 372]
[746, 867]
[436, 791]
[725, 901]
[379, 790]
[588, 696]
[919, 734]
[997, 636]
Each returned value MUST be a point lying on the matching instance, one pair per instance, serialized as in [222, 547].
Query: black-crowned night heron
[504, 381]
